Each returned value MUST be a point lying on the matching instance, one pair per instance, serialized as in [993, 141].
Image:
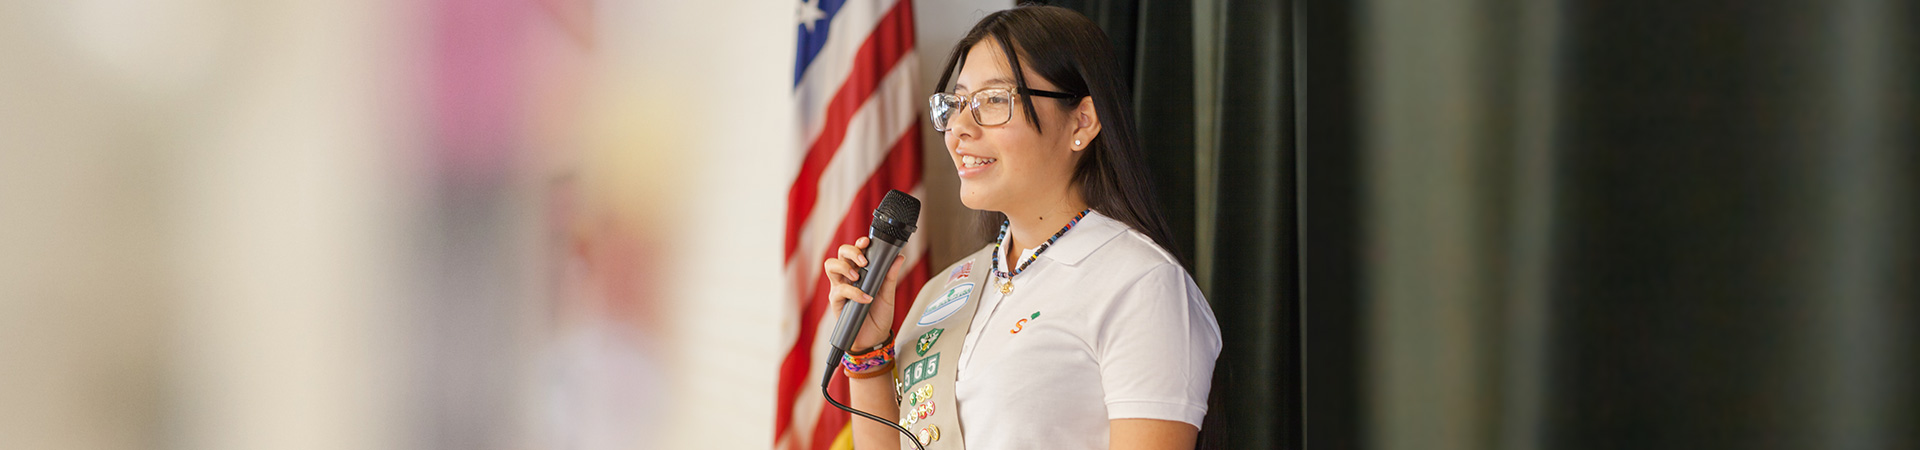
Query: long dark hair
[1071, 51]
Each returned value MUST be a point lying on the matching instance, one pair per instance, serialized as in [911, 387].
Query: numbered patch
[921, 370]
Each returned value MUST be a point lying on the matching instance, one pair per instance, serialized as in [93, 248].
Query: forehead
[986, 66]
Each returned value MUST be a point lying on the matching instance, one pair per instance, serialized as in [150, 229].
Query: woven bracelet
[878, 357]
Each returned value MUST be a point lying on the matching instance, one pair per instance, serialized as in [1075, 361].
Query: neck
[1030, 226]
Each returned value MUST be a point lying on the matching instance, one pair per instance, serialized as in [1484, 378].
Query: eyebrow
[958, 86]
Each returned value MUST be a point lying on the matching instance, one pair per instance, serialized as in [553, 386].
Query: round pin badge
[922, 394]
[924, 412]
[929, 434]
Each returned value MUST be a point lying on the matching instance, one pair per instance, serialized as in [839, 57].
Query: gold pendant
[1006, 288]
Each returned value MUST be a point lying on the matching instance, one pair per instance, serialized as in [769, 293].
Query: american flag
[855, 84]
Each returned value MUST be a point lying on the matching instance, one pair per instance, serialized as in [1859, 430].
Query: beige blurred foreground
[384, 225]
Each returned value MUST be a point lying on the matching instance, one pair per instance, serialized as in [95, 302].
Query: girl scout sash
[928, 347]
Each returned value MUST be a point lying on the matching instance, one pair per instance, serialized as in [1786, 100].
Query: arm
[1150, 434]
[875, 396]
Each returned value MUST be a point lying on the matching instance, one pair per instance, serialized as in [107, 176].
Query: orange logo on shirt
[1018, 325]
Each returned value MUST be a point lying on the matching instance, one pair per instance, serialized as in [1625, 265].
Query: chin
[975, 200]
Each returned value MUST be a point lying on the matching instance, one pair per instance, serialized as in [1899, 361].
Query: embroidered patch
[961, 272]
[948, 304]
[921, 370]
[1022, 322]
[926, 341]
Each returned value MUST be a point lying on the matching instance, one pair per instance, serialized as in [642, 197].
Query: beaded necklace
[1007, 286]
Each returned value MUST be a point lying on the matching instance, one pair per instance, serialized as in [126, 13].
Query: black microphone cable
[827, 380]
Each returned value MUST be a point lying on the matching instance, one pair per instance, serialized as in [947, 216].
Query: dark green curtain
[1470, 224]
[1634, 224]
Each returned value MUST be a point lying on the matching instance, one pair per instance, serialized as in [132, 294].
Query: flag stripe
[890, 41]
[845, 176]
[879, 122]
[900, 169]
[859, 136]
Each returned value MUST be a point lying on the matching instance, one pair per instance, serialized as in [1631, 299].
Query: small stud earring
[1076, 142]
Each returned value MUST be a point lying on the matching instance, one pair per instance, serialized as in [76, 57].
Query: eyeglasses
[991, 106]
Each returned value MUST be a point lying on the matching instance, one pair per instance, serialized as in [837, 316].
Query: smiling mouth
[972, 162]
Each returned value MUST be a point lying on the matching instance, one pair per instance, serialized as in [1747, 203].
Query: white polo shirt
[1104, 325]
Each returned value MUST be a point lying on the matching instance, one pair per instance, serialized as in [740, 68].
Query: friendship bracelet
[884, 369]
[869, 360]
[876, 358]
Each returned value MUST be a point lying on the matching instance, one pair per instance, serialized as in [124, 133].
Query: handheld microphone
[893, 223]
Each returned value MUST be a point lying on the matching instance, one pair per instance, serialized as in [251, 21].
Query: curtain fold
[1637, 224]
[1471, 224]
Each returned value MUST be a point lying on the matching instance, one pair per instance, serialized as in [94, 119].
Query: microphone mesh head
[899, 206]
[897, 215]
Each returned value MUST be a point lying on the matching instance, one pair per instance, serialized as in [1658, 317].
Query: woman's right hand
[845, 281]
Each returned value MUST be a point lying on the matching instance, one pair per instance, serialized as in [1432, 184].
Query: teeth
[971, 161]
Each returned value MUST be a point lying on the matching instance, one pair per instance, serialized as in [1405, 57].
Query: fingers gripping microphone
[893, 222]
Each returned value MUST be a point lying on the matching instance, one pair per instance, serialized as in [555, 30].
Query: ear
[1086, 124]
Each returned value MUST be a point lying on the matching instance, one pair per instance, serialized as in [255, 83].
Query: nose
[963, 125]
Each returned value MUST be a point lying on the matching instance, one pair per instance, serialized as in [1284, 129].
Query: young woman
[1075, 327]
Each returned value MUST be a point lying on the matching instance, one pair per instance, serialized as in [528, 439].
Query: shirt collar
[1090, 234]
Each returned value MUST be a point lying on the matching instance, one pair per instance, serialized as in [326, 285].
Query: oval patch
[948, 304]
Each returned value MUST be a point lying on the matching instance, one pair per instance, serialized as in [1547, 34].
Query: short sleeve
[1157, 344]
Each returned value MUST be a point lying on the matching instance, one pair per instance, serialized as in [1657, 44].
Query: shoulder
[1134, 252]
[1113, 249]
[1121, 272]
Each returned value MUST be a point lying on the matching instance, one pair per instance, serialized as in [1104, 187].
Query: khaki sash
[928, 352]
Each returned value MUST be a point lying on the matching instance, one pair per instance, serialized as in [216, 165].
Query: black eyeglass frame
[972, 105]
